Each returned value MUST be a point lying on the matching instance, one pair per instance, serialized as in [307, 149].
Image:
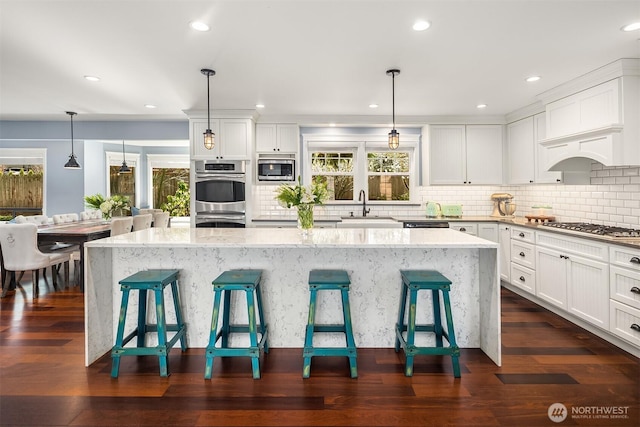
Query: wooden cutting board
[540, 218]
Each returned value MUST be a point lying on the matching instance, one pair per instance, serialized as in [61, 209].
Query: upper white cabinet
[470, 154]
[277, 138]
[523, 137]
[233, 140]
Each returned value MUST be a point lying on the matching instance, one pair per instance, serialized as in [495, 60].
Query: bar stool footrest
[329, 351]
[330, 328]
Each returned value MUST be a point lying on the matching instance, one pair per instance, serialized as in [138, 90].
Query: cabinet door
[543, 176]
[551, 277]
[488, 231]
[484, 154]
[504, 236]
[197, 128]
[521, 153]
[288, 138]
[235, 138]
[447, 154]
[588, 290]
[265, 138]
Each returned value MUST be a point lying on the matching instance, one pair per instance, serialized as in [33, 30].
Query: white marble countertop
[283, 237]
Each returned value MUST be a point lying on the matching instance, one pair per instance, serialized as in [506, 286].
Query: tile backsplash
[612, 198]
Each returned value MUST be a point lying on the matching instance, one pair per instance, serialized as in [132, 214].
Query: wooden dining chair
[19, 243]
[121, 225]
[142, 222]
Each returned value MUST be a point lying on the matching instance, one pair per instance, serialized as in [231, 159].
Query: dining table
[74, 233]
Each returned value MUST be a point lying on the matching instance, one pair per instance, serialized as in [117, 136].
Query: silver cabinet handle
[635, 260]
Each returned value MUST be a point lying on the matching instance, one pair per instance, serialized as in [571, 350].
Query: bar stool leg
[451, 336]
[253, 335]
[208, 369]
[142, 317]
[437, 317]
[225, 318]
[351, 344]
[162, 333]
[403, 306]
[178, 311]
[263, 325]
[411, 333]
[115, 365]
[308, 338]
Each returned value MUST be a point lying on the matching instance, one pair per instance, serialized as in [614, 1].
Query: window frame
[361, 145]
[164, 161]
[25, 155]
[113, 158]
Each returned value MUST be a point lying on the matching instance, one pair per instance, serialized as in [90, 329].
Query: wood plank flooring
[546, 360]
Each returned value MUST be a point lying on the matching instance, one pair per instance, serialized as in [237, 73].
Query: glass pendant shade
[72, 163]
[394, 139]
[209, 136]
[209, 139]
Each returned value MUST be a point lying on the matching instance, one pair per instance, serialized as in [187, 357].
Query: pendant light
[209, 136]
[124, 168]
[72, 163]
[394, 135]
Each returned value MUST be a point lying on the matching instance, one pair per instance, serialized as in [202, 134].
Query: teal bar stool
[412, 282]
[143, 281]
[321, 280]
[237, 280]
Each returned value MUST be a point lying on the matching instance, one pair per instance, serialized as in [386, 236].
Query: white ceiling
[304, 57]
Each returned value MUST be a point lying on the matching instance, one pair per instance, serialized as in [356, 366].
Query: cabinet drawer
[576, 245]
[624, 286]
[625, 322]
[465, 227]
[523, 277]
[523, 253]
[523, 234]
[624, 257]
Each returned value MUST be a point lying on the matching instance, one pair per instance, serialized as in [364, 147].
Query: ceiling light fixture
[199, 26]
[394, 136]
[481, 106]
[631, 27]
[373, 105]
[72, 163]
[421, 25]
[124, 168]
[209, 136]
[92, 78]
[151, 106]
[259, 105]
[532, 79]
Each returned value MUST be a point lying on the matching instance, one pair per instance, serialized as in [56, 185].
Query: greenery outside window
[388, 175]
[336, 169]
[123, 184]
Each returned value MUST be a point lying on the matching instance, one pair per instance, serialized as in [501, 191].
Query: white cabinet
[277, 138]
[624, 293]
[465, 227]
[233, 139]
[573, 274]
[488, 231]
[522, 261]
[460, 154]
[523, 136]
[504, 238]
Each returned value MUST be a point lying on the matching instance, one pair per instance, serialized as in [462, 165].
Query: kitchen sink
[368, 222]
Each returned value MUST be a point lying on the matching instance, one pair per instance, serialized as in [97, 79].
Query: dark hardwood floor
[546, 360]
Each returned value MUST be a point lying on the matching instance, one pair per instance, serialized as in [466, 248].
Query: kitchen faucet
[362, 197]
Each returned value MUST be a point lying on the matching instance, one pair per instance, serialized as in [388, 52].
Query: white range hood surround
[600, 122]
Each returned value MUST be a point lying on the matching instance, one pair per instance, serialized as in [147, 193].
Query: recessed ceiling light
[631, 27]
[150, 106]
[421, 25]
[332, 125]
[481, 106]
[373, 105]
[259, 105]
[533, 79]
[92, 78]
[199, 26]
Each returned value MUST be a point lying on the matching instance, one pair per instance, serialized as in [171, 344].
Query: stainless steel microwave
[276, 169]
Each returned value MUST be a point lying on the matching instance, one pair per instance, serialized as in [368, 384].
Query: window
[336, 170]
[166, 171]
[348, 164]
[22, 182]
[388, 175]
[124, 184]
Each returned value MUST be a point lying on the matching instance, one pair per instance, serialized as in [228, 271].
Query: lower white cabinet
[624, 293]
[625, 322]
[504, 238]
[488, 231]
[523, 277]
[588, 289]
[465, 227]
[551, 280]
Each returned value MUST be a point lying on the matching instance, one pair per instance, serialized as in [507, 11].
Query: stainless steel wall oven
[220, 194]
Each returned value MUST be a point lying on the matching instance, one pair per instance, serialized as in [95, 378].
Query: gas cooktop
[597, 229]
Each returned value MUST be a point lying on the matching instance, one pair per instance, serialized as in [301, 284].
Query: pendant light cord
[71, 115]
[393, 98]
[208, 106]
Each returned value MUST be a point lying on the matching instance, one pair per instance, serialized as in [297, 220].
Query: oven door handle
[220, 177]
[205, 217]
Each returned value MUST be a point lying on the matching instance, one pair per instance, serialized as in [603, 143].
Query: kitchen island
[372, 257]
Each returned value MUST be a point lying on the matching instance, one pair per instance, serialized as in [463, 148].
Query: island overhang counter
[372, 257]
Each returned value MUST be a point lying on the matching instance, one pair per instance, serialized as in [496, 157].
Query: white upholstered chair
[19, 244]
[89, 215]
[161, 219]
[33, 219]
[65, 218]
[121, 225]
[141, 222]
